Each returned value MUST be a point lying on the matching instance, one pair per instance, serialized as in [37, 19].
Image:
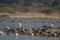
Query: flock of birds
[1, 32]
[20, 26]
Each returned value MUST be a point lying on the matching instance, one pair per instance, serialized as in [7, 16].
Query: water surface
[26, 23]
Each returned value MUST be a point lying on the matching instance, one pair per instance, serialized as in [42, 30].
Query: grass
[51, 10]
[7, 9]
[46, 10]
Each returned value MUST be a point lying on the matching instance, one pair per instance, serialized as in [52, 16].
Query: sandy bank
[32, 15]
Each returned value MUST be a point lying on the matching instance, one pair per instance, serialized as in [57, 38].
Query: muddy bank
[31, 15]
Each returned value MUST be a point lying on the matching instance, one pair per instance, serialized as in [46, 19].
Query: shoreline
[30, 15]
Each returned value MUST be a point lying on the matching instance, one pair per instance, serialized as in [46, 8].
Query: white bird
[32, 34]
[55, 34]
[52, 25]
[20, 24]
[41, 28]
[1, 32]
[17, 35]
[8, 28]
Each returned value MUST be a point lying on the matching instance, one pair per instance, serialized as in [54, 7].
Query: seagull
[20, 24]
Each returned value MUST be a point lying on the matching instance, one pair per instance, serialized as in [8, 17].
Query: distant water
[26, 37]
[26, 23]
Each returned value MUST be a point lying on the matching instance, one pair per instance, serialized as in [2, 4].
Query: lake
[27, 23]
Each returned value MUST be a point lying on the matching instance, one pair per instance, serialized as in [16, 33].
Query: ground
[32, 15]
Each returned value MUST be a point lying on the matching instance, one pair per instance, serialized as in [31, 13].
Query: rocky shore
[36, 31]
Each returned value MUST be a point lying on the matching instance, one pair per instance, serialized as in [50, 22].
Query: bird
[8, 28]
[32, 34]
[55, 34]
[1, 32]
[41, 28]
[20, 24]
[17, 35]
[52, 25]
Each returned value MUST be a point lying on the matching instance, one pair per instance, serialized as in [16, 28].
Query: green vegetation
[51, 9]
[41, 6]
[7, 9]
[12, 10]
